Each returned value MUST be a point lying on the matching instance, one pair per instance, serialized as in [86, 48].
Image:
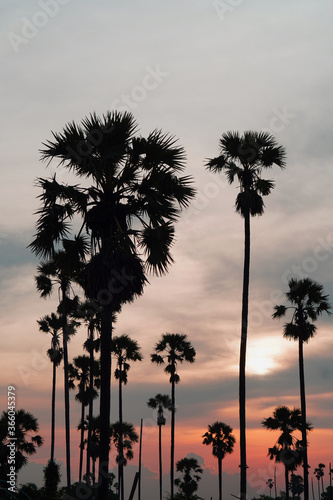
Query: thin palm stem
[172, 461]
[53, 410]
[219, 461]
[242, 361]
[160, 456]
[81, 440]
[303, 417]
[66, 386]
[105, 403]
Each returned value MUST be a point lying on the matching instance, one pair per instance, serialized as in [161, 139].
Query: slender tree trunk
[242, 360]
[53, 411]
[105, 402]
[219, 462]
[91, 385]
[140, 461]
[160, 457]
[318, 490]
[275, 485]
[121, 448]
[303, 416]
[286, 475]
[172, 462]
[81, 441]
[64, 286]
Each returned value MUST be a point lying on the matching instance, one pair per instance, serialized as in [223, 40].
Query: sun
[263, 356]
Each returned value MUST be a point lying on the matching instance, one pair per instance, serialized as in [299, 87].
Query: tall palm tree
[308, 302]
[220, 436]
[53, 324]
[243, 158]
[129, 211]
[173, 348]
[270, 484]
[124, 350]
[26, 441]
[161, 402]
[79, 371]
[61, 264]
[287, 447]
[190, 477]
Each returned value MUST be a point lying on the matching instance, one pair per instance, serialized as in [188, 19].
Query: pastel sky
[195, 69]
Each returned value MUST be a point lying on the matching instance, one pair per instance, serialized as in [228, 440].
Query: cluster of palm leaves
[115, 223]
[107, 232]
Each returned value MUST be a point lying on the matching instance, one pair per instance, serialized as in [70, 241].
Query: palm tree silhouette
[220, 436]
[79, 371]
[296, 486]
[319, 473]
[176, 349]
[124, 350]
[129, 212]
[190, 477]
[307, 302]
[53, 324]
[244, 158]
[88, 311]
[62, 260]
[287, 448]
[123, 435]
[26, 440]
[270, 484]
[162, 402]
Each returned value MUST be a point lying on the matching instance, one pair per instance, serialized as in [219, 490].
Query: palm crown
[308, 302]
[178, 349]
[220, 436]
[244, 157]
[124, 349]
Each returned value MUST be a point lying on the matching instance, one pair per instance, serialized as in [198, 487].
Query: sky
[194, 69]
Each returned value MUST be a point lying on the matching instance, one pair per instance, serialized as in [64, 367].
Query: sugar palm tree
[190, 477]
[308, 302]
[161, 402]
[124, 349]
[296, 485]
[243, 158]
[79, 371]
[319, 473]
[287, 448]
[220, 436]
[130, 209]
[123, 436]
[25, 444]
[270, 484]
[53, 325]
[88, 312]
[62, 260]
[173, 348]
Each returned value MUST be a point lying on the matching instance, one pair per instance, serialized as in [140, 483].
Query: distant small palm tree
[270, 484]
[124, 350]
[80, 371]
[123, 436]
[220, 436]
[307, 302]
[190, 477]
[287, 449]
[176, 349]
[53, 324]
[319, 473]
[162, 402]
[243, 158]
[296, 486]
